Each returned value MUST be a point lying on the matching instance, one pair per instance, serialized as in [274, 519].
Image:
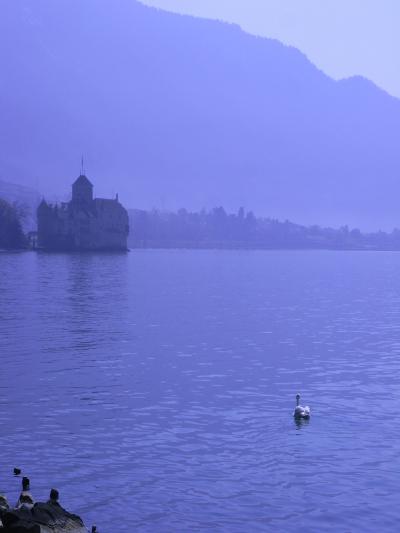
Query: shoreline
[200, 248]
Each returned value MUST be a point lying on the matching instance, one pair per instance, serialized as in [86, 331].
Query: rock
[42, 518]
[4, 505]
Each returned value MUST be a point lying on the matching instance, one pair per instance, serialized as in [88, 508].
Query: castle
[84, 223]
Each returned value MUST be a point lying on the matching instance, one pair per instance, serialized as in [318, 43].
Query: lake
[155, 389]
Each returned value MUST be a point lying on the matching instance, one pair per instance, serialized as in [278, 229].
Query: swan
[300, 411]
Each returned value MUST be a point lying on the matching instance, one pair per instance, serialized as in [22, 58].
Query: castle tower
[82, 191]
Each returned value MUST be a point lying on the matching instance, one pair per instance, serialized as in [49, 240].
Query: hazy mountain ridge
[170, 110]
[14, 192]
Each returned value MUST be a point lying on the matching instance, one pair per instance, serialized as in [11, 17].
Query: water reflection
[300, 423]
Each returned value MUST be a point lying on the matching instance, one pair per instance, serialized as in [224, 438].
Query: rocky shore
[36, 517]
[42, 518]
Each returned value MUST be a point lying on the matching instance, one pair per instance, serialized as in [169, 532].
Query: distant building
[84, 223]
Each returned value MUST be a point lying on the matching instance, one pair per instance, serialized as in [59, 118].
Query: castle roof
[106, 203]
[82, 180]
[105, 200]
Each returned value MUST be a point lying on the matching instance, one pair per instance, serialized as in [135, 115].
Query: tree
[11, 233]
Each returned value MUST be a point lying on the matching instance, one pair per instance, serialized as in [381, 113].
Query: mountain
[173, 111]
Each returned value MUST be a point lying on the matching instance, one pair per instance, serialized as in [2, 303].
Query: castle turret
[82, 191]
[43, 207]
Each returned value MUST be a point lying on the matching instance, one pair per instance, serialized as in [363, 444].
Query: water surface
[155, 389]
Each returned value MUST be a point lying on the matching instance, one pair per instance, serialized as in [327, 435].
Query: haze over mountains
[174, 111]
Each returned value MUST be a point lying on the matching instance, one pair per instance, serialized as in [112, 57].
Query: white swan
[300, 411]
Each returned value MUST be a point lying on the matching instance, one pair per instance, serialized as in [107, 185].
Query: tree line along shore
[243, 230]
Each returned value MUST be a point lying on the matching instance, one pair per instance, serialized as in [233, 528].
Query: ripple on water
[163, 382]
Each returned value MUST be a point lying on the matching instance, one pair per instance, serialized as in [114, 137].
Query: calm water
[155, 389]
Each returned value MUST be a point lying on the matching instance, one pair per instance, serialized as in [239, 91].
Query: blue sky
[341, 37]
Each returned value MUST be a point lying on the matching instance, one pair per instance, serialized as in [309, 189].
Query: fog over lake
[159, 386]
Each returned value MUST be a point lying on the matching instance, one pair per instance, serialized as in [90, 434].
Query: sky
[341, 37]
